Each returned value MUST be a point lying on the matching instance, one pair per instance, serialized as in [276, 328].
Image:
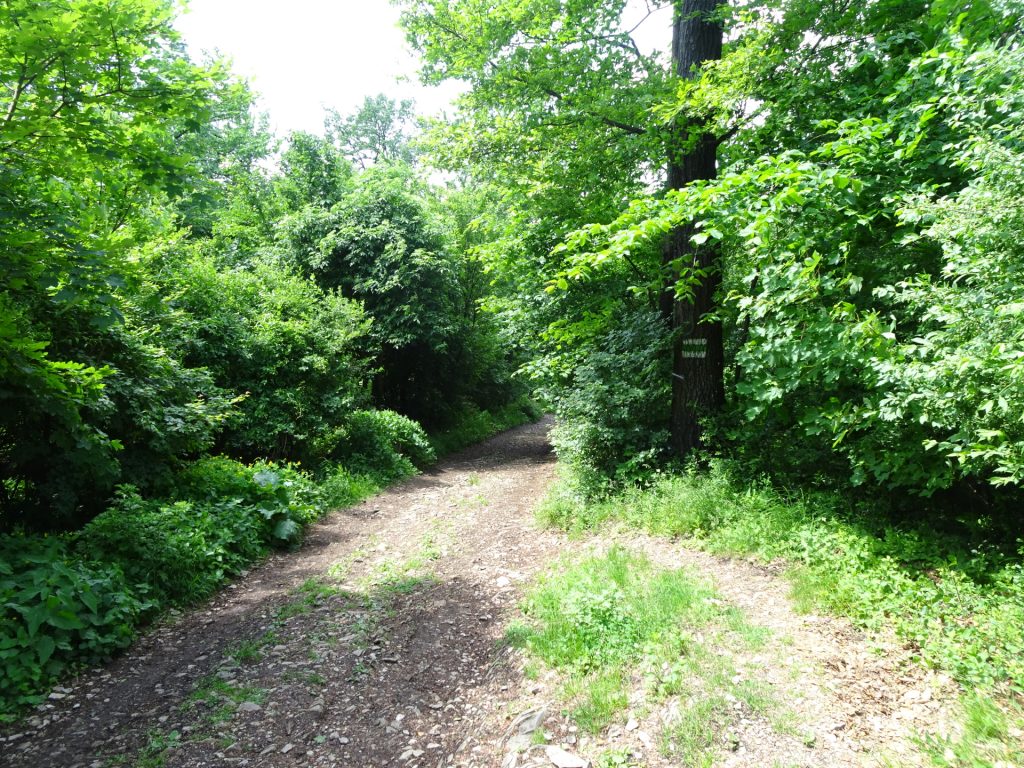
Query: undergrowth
[959, 601]
[475, 425]
[609, 620]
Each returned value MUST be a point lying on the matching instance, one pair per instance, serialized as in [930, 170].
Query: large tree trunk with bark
[698, 358]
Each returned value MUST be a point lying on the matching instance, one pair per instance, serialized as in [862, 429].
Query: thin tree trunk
[698, 358]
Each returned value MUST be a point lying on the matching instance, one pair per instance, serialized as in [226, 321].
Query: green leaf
[89, 598]
[65, 619]
[286, 530]
[266, 477]
[45, 647]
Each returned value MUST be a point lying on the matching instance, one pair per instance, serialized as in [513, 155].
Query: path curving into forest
[378, 644]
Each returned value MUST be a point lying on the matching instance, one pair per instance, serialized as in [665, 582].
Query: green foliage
[342, 488]
[596, 617]
[613, 420]
[178, 552]
[99, 101]
[163, 296]
[384, 442]
[378, 245]
[869, 259]
[76, 600]
[378, 132]
[58, 613]
[474, 425]
[314, 172]
[866, 214]
[151, 410]
[284, 497]
[565, 112]
[403, 434]
[291, 347]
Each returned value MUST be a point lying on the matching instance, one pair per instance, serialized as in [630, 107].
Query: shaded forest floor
[380, 643]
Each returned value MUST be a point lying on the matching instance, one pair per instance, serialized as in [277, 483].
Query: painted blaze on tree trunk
[698, 358]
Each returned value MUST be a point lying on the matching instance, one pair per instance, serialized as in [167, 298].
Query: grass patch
[992, 737]
[618, 758]
[247, 652]
[340, 570]
[343, 488]
[221, 698]
[154, 753]
[306, 678]
[692, 737]
[960, 602]
[309, 594]
[955, 597]
[218, 699]
[598, 697]
[602, 611]
[405, 576]
[595, 618]
[610, 620]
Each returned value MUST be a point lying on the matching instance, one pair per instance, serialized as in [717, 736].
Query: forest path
[378, 644]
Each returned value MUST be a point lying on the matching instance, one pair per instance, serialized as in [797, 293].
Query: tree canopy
[855, 142]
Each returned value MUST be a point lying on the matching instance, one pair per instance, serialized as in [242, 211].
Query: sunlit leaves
[870, 277]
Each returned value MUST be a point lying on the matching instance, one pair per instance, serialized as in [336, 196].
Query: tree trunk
[698, 358]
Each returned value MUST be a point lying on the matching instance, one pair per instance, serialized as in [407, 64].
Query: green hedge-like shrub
[613, 421]
[75, 600]
[384, 442]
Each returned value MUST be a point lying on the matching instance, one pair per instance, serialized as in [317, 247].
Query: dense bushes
[296, 353]
[613, 419]
[169, 297]
[384, 441]
[78, 195]
[176, 551]
[380, 243]
[58, 611]
[869, 263]
[74, 599]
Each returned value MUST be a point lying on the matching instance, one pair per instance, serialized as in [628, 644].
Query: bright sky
[305, 55]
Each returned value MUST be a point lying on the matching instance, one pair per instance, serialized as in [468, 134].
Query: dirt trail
[377, 644]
